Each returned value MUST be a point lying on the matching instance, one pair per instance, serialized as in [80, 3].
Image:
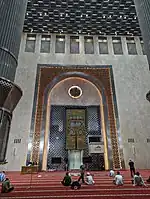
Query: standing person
[132, 168]
[118, 180]
[81, 174]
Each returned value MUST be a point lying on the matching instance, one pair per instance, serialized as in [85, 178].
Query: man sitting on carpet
[118, 180]
[2, 176]
[6, 186]
[138, 180]
[89, 179]
[67, 180]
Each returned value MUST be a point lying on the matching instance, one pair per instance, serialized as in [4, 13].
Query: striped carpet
[47, 185]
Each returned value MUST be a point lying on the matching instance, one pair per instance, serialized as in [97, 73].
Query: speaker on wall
[56, 160]
[87, 160]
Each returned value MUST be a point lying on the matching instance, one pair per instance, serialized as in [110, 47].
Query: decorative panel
[75, 129]
[57, 137]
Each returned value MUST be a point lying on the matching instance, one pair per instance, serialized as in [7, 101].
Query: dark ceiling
[94, 17]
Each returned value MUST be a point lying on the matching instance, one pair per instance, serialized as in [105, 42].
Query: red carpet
[48, 186]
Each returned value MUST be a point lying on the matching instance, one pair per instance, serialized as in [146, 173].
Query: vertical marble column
[81, 44]
[11, 23]
[124, 45]
[143, 13]
[96, 47]
[110, 46]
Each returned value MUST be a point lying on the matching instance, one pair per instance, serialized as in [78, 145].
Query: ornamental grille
[57, 136]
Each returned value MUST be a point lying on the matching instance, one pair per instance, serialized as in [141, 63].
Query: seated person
[6, 186]
[138, 180]
[111, 173]
[75, 185]
[148, 180]
[118, 180]
[2, 176]
[89, 179]
[67, 180]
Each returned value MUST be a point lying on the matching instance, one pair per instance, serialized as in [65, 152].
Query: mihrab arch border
[47, 125]
[49, 78]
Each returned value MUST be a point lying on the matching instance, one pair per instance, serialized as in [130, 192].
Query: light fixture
[75, 92]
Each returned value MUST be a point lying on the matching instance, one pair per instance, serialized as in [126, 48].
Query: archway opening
[75, 127]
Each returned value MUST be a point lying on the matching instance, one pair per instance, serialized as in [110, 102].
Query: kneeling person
[138, 180]
[118, 180]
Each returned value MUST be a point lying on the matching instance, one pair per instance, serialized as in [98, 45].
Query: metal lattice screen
[57, 136]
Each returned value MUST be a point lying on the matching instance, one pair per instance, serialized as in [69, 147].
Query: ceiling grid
[94, 17]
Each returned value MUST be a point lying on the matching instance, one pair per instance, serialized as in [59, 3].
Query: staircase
[47, 185]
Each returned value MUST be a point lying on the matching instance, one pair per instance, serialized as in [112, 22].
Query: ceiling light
[86, 15]
[66, 14]
[61, 14]
[120, 16]
[104, 16]
[27, 13]
[81, 15]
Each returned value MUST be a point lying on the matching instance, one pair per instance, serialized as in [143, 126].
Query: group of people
[137, 179]
[6, 185]
[67, 181]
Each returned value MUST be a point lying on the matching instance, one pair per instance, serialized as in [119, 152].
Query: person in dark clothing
[132, 168]
[75, 185]
[6, 186]
[81, 174]
[148, 180]
[67, 180]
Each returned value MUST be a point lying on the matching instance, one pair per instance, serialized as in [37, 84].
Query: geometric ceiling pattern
[92, 17]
